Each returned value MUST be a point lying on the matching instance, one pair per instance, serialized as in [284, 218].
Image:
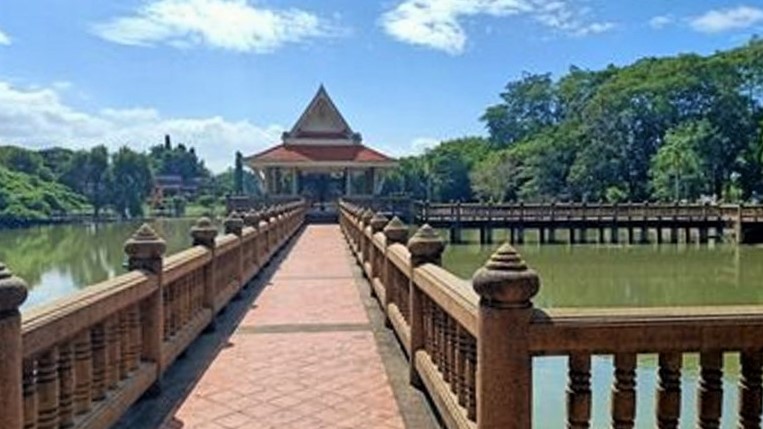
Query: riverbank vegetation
[676, 128]
[49, 184]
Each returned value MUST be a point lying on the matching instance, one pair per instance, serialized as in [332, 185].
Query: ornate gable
[321, 123]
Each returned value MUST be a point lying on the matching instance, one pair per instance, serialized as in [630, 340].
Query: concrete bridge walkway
[309, 352]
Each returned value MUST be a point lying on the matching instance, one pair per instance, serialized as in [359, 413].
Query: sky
[232, 75]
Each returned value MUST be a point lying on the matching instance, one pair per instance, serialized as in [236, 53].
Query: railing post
[13, 293]
[377, 223]
[234, 224]
[395, 232]
[203, 233]
[144, 252]
[506, 287]
[425, 247]
[365, 243]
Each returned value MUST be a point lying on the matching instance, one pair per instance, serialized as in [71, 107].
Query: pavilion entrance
[321, 187]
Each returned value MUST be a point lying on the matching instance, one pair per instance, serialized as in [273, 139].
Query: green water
[60, 259]
[618, 276]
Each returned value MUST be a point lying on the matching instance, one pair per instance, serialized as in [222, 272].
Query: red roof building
[321, 158]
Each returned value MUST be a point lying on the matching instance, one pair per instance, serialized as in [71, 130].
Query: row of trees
[36, 185]
[682, 127]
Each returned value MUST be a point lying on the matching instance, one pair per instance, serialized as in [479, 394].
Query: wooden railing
[82, 361]
[472, 344]
[433, 212]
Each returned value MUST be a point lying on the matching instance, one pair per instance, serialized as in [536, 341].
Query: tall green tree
[133, 181]
[677, 166]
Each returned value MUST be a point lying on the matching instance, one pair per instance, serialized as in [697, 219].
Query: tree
[133, 181]
[496, 178]
[676, 167]
[238, 175]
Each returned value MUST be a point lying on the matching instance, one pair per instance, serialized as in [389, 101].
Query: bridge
[304, 351]
[583, 222]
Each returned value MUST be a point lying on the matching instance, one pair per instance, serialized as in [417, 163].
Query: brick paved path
[304, 355]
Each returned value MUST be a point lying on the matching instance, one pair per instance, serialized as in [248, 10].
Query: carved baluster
[173, 315]
[669, 391]
[29, 377]
[579, 391]
[470, 371]
[113, 352]
[624, 391]
[459, 365]
[710, 389]
[446, 347]
[98, 338]
[167, 312]
[428, 317]
[750, 390]
[47, 393]
[436, 328]
[83, 372]
[134, 331]
[124, 346]
[66, 385]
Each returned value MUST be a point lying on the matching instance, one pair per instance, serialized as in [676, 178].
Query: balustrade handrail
[82, 360]
[471, 344]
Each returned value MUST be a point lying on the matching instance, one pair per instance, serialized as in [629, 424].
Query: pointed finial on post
[366, 217]
[13, 291]
[396, 231]
[144, 250]
[377, 222]
[204, 232]
[426, 246]
[251, 218]
[234, 224]
[505, 281]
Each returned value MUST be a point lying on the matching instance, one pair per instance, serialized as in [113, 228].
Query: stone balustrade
[82, 361]
[472, 344]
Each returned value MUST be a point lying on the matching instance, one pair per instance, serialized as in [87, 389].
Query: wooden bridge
[304, 355]
[581, 222]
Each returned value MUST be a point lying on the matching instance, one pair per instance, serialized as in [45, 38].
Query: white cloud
[438, 24]
[4, 39]
[661, 21]
[234, 25]
[422, 144]
[39, 117]
[720, 20]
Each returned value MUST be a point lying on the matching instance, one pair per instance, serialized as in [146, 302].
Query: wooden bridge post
[203, 233]
[13, 293]
[704, 226]
[629, 208]
[234, 224]
[738, 226]
[674, 224]
[571, 222]
[521, 226]
[506, 287]
[145, 250]
[425, 247]
[583, 220]
[644, 235]
[552, 224]
[614, 233]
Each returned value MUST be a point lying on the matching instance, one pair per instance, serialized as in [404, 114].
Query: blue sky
[227, 75]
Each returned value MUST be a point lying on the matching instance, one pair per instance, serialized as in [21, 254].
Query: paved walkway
[304, 355]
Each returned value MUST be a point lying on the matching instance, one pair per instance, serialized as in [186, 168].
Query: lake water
[58, 260]
[594, 275]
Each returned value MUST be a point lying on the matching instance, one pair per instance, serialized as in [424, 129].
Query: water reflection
[60, 259]
[639, 275]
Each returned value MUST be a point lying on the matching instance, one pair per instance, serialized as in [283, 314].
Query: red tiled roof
[320, 153]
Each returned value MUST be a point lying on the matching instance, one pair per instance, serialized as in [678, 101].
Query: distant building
[321, 158]
[172, 184]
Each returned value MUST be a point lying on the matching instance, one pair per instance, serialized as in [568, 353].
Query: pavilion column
[347, 182]
[294, 178]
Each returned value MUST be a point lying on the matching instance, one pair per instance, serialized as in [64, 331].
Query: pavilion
[321, 159]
